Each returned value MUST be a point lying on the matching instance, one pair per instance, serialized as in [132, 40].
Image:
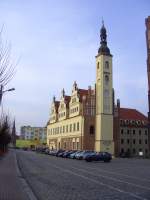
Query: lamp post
[3, 91]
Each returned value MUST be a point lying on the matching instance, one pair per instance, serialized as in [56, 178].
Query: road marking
[115, 173]
[98, 182]
[114, 179]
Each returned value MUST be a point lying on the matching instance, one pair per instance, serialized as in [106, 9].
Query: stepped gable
[57, 105]
[67, 100]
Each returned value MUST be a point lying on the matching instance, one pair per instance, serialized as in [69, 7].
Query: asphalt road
[52, 178]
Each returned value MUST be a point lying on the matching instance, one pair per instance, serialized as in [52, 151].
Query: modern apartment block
[33, 133]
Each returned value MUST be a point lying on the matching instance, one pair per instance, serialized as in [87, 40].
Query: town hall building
[88, 119]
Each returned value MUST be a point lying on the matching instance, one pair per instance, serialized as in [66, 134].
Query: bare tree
[7, 68]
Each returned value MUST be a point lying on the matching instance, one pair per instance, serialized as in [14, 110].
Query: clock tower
[104, 97]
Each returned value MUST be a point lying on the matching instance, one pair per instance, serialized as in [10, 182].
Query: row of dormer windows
[73, 100]
[73, 110]
[64, 129]
[61, 114]
[132, 122]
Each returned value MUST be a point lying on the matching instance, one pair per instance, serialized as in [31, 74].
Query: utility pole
[13, 136]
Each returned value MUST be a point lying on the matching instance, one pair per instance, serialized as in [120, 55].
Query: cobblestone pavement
[53, 178]
[10, 183]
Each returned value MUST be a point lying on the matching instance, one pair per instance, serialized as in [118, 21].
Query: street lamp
[3, 91]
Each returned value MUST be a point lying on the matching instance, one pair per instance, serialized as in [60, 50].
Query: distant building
[33, 133]
[130, 132]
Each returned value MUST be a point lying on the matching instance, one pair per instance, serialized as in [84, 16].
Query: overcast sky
[57, 40]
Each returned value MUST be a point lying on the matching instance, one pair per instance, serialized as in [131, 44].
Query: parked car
[101, 156]
[87, 153]
[53, 152]
[78, 154]
[59, 152]
[70, 152]
[73, 155]
[46, 151]
[66, 153]
[81, 155]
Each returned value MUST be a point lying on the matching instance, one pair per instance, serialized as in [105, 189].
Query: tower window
[107, 65]
[106, 79]
[98, 65]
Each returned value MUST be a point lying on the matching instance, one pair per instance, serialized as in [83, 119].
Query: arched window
[106, 79]
[107, 65]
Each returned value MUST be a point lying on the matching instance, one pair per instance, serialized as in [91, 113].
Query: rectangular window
[74, 127]
[78, 126]
[70, 127]
[63, 129]
[145, 132]
[133, 132]
[67, 129]
[122, 141]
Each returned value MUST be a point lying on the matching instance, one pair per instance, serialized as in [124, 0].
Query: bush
[5, 136]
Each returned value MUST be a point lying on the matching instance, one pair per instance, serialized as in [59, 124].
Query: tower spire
[103, 49]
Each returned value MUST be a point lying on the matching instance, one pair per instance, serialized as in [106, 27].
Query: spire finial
[104, 50]
[63, 92]
[102, 21]
[54, 98]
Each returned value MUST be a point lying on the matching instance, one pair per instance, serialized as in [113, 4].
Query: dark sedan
[102, 156]
[67, 153]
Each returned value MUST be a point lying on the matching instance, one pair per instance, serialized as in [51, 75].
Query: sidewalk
[11, 187]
